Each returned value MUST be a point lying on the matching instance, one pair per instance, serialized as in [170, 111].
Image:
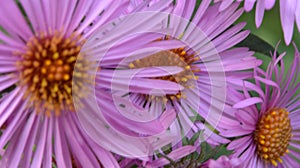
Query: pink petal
[9, 104]
[269, 4]
[31, 142]
[248, 5]
[297, 15]
[248, 102]
[266, 81]
[61, 150]
[235, 132]
[287, 15]
[225, 4]
[19, 148]
[259, 12]
[47, 160]
[40, 146]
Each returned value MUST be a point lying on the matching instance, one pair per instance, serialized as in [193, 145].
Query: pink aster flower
[289, 13]
[39, 45]
[159, 65]
[266, 128]
[105, 114]
[204, 60]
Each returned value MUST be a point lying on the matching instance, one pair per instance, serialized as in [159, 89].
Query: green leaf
[220, 151]
[185, 141]
[194, 138]
[7, 90]
[257, 44]
[207, 152]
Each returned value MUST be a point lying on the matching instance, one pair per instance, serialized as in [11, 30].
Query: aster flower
[107, 115]
[39, 45]
[168, 68]
[289, 13]
[268, 134]
[204, 60]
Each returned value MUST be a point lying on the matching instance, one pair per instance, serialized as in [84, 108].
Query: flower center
[175, 57]
[272, 135]
[46, 69]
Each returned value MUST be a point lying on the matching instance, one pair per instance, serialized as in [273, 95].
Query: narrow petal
[259, 12]
[7, 81]
[297, 15]
[269, 4]
[225, 4]
[248, 102]
[61, 149]
[19, 149]
[287, 15]
[47, 160]
[14, 22]
[15, 123]
[40, 146]
[248, 5]
[235, 132]
[31, 142]
[10, 103]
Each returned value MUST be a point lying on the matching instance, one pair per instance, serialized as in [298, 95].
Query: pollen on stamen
[175, 57]
[46, 69]
[272, 135]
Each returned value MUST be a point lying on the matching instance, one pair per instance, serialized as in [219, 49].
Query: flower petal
[259, 12]
[287, 15]
[248, 102]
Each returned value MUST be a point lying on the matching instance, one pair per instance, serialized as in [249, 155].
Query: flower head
[162, 70]
[203, 60]
[268, 133]
[40, 42]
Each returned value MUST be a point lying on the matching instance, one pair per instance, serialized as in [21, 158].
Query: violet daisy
[208, 56]
[39, 45]
[267, 135]
[289, 13]
[104, 114]
[172, 56]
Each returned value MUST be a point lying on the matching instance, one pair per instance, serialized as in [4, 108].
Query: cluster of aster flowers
[145, 83]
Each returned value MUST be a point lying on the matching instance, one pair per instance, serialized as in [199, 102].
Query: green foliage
[208, 152]
[257, 44]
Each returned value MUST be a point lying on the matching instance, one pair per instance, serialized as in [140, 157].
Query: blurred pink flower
[223, 162]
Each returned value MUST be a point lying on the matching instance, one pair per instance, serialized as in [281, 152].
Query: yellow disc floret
[46, 69]
[175, 57]
[272, 135]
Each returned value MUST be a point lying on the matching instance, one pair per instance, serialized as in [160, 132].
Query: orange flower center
[272, 135]
[175, 57]
[46, 69]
